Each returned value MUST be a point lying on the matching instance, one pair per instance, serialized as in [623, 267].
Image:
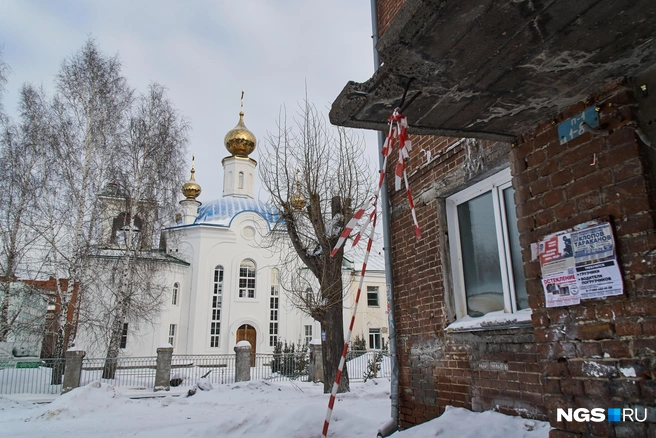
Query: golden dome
[191, 189]
[298, 201]
[239, 141]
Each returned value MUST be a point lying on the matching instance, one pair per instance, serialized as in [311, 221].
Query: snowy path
[249, 409]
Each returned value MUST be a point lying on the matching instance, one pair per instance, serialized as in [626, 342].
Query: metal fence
[39, 376]
[31, 376]
[130, 372]
[186, 370]
[368, 364]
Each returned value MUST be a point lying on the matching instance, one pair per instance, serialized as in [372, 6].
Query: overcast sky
[205, 52]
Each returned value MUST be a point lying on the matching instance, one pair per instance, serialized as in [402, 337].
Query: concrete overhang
[495, 70]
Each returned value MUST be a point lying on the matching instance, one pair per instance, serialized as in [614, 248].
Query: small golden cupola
[298, 201]
[239, 141]
[191, 189]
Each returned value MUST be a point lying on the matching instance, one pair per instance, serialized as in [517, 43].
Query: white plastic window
[486, 262]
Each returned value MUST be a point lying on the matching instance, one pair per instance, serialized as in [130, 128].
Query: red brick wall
[386, 10]
[437, 368]
[550, 363]
[584, 347]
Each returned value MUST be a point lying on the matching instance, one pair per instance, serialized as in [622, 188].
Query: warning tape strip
[398, 129]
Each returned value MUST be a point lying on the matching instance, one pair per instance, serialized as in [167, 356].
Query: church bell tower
[239, 168]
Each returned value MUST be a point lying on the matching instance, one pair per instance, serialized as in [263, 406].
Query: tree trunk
[332, 350]
[63, 331]
[4, 311]
[111, 359]
[122, 307]
[332, 324]
[57, 375]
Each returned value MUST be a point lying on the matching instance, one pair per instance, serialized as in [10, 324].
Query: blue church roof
[223, 210]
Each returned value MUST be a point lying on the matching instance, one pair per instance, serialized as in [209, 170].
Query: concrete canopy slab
[492, 70]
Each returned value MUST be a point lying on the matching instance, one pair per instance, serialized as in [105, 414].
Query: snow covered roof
[223, 210]
[155, 255]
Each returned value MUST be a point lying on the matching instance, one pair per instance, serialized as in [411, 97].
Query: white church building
[226, 286]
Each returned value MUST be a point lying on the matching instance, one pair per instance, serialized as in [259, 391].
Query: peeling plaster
[569, 60]
[474, 158]
[453, 95]
[540, 103]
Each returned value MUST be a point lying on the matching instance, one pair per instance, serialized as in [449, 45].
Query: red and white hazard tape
[347, 340]
[398, 128]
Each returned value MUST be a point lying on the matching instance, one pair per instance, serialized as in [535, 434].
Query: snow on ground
[246, 409]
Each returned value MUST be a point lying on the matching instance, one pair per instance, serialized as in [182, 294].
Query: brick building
[49, 288]
[486, 88]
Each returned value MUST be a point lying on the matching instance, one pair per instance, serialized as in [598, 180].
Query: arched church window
[247, 279]
[217, 297]
[273, 308]
[309, 297]
[174, 295]
[241, 180]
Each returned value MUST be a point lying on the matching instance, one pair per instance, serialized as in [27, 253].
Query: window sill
[492, 321]
[246, 300]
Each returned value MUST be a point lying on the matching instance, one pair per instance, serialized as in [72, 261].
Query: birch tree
[326, 166]
[4, 72]
[148, 173]
[20, 186]
[87, 115]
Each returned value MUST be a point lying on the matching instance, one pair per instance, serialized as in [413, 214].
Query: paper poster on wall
[559, 271]
[597, 271]
[579, 265]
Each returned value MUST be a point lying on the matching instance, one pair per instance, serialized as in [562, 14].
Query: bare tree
[91, 135]
[148, 172]
[86, 117]
[4, 72]
[20, 186]
[326, 166]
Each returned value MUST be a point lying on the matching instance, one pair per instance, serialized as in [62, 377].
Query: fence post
[163, 368]
[242, 361]
[72, 369]
[315, 369]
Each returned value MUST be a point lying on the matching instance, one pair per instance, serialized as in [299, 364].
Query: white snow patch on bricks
[628, 372]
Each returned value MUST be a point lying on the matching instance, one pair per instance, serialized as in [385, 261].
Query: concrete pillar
[163, 369]
[242, 361]
[73, 369]
[315, 367]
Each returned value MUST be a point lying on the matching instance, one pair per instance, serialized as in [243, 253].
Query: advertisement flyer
[597, 271]
[559, 272]
[579, 265]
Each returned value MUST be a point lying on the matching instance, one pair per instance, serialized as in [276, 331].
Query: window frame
[245, 292]
[375, 333]
[124, 336]
[308, 333]
[216, 306]
[376, 291]
[174, 295]
[495, 184]
[274, 307]
[173, 334]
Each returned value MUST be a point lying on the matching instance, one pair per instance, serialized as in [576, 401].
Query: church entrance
[247, 333]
